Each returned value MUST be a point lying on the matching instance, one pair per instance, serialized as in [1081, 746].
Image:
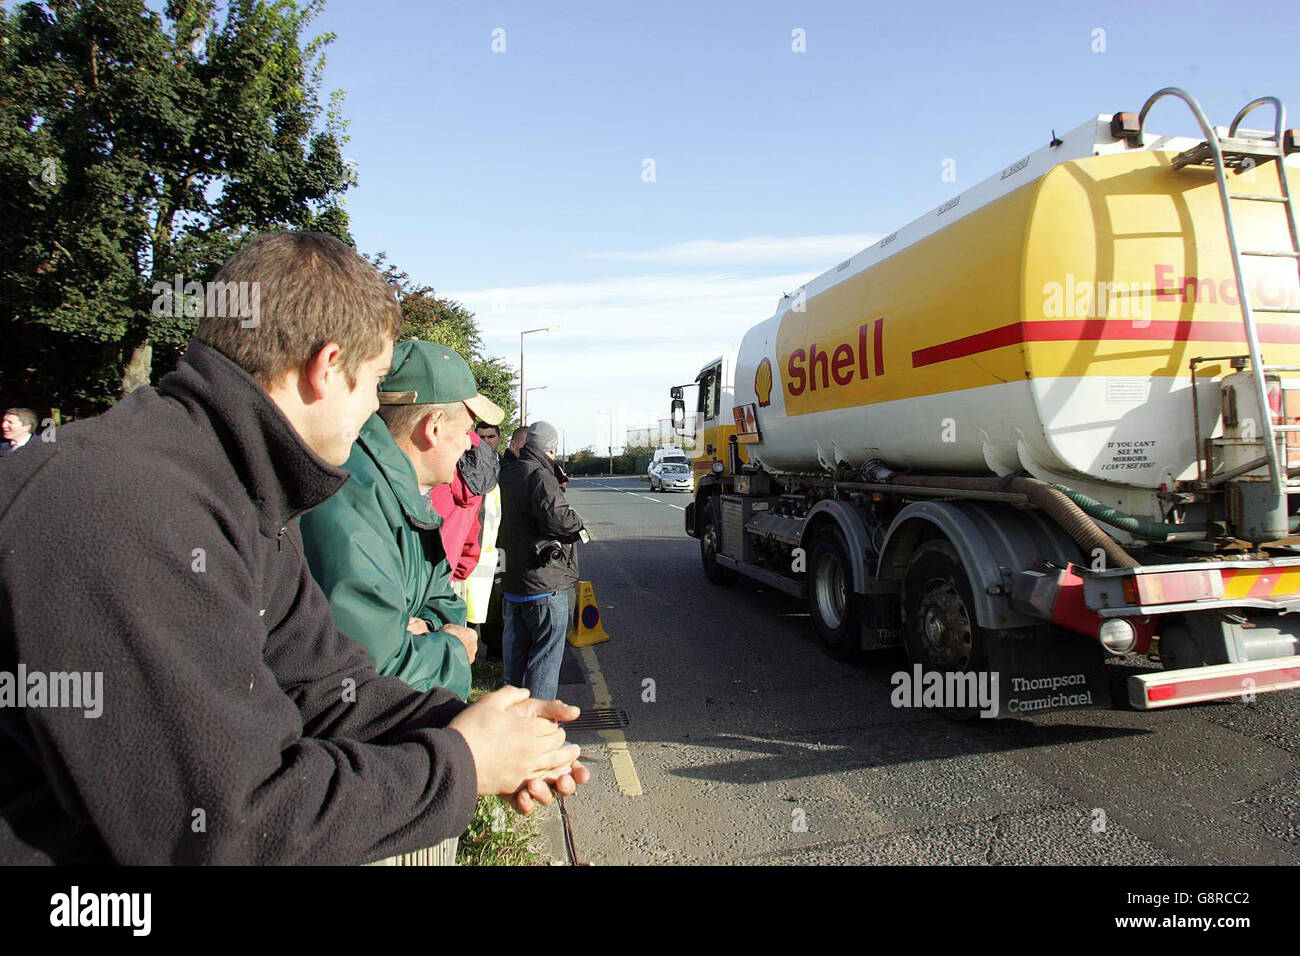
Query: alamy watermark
[956, 690]
[242, 300]
[1080, 298]
[75, 908]
[82, 690]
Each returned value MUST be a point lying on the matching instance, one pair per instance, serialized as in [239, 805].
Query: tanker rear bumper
[1272, 585]
[1194, 685]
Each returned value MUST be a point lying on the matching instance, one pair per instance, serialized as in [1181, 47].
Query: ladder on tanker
[1242, 151]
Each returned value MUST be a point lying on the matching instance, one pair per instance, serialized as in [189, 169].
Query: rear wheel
[832, 603]
[710, 539]
[941, 632]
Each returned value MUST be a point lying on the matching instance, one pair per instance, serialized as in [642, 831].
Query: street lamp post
[611, 441]
[523, 395]
[535, 388]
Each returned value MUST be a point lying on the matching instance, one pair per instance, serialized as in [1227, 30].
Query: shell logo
[763, 383]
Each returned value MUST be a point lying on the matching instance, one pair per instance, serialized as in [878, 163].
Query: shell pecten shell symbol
[763, 383]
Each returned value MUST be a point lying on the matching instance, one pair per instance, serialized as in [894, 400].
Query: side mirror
[679, 415]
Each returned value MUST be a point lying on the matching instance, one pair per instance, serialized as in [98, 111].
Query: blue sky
[513, 180]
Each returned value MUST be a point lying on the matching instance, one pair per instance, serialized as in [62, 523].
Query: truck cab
[716, 455]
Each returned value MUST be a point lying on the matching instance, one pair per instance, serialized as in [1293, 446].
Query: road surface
[748, 744]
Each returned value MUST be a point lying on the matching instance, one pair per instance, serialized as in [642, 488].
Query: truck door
[709, 409]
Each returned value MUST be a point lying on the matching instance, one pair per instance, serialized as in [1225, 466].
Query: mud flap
[1047, 671]
[882, 619]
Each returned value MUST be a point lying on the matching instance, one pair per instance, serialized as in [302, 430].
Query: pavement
[749, 745]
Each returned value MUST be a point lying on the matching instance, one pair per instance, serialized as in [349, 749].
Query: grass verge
[497, 835]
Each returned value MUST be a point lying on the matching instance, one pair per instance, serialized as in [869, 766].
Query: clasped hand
[518, 747]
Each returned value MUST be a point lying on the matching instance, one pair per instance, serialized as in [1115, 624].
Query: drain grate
[599, 718]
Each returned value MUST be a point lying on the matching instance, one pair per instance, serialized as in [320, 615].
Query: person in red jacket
[460, 505]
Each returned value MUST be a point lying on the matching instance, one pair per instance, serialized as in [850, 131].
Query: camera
[548, 551]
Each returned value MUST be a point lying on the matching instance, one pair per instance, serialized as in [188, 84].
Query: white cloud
[621, 342]
[753, 250]
[656, 307]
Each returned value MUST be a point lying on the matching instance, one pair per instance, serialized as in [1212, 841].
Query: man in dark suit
[18, 426]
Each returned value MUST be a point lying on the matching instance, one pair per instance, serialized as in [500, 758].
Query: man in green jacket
[374, 547]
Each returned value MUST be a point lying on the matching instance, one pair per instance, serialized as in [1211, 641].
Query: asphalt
[752, 746]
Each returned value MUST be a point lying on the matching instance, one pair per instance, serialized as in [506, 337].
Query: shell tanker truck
[1052, 421]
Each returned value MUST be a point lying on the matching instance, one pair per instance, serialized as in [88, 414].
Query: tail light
[1275, 405]
[1125, 126]
[1173, 587]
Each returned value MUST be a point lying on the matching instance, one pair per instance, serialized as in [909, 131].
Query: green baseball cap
[428, 374]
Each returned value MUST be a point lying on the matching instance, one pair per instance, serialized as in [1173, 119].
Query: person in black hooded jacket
[539, 534]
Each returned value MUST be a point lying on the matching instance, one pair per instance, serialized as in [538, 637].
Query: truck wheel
[940, 629]
[836, 615]
[709, 540]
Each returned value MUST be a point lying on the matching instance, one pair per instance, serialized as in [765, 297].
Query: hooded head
[542, 437]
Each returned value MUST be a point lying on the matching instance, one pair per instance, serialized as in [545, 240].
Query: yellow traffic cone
[586, 629]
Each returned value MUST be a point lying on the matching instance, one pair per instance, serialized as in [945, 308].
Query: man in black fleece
[157, 545]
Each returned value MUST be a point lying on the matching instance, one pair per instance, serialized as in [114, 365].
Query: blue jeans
[532, 643]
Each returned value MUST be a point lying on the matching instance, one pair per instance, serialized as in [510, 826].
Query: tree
[427, 316]
[135, 147]
[497, 380]
[584, 462]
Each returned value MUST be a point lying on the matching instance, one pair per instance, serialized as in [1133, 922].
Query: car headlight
[717, 468]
